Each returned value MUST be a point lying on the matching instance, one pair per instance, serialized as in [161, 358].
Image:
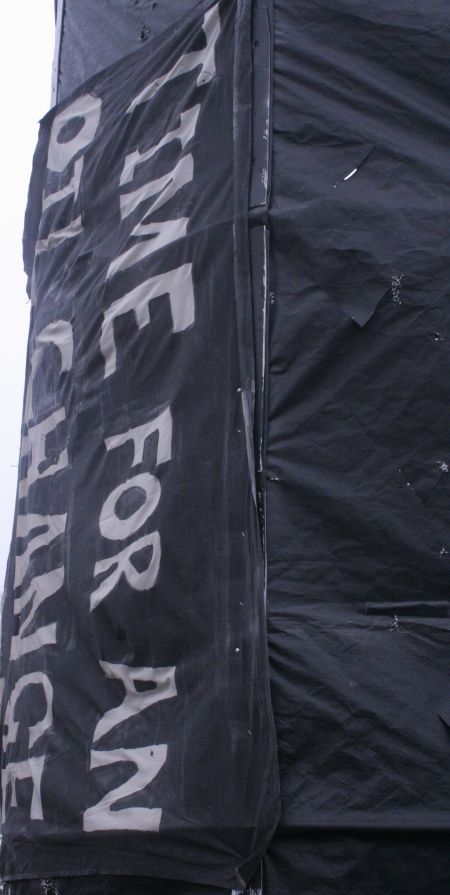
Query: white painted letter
[205, 58]
[162, 233]
[58, 333]
[148, 762]
[40, 589]
[35, 442]
[183, 133]
[36, 730]
[55, 526]
[135, 701]
[177, 284]
[164, 187]
[162, 424]
[87, 107]
[116, 529]
[31, 768]
[121, 564]
[60, 154]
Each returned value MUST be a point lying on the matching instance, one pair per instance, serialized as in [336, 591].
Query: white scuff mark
[265, 178]
[247, 410]
[347, 177]
[265, 289]
[438, 337]
[394, 626]
[396, 283]
[443, 466]
[267, 124]
[48, 887]
[443, 551]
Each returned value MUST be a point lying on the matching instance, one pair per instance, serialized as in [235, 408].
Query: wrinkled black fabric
[355, 474]
[106, 885]
[358, 533]
[138, 736]
[94, 35]
[372, 863]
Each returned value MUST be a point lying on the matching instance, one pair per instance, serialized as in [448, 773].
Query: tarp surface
[318, 233]
[94, 35]
[138, 734]
[358, 486]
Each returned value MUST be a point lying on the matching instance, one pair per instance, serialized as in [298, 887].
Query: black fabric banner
[240, 273]
[91, 36]
[138, 735]
[358, 483]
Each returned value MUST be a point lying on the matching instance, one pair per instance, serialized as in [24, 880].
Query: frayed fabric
[108, 885]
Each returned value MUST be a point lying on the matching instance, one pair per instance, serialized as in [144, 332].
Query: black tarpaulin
[138, 735]
[323, 295]
[94, 35]
[357, 447]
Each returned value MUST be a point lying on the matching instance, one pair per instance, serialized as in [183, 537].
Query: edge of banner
[60, 8]
[253, 83]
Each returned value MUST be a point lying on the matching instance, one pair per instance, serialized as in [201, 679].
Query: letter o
[116, 529]
[86, 107]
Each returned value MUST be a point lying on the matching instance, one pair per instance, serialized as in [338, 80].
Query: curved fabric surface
[138, 735]
[351, 420]
[95, 35]
[358, 487]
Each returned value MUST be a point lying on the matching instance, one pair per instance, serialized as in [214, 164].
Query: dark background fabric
[358, 489]
[357, 485]
[107, 885]
[204, 614]
[94, 35]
